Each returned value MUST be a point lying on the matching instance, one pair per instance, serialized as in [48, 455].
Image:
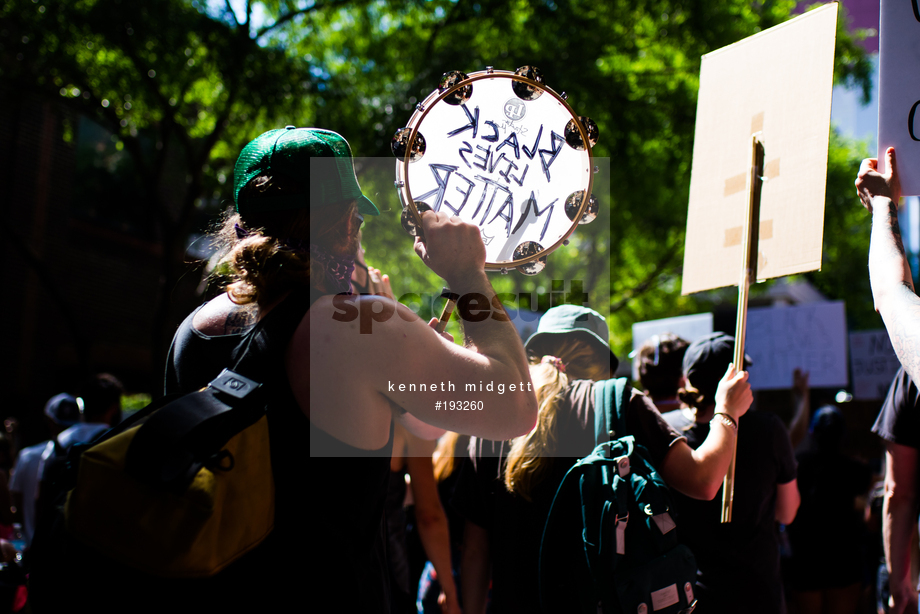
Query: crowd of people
[406, 507]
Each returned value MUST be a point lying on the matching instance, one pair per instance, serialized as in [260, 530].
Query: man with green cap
[290, 248]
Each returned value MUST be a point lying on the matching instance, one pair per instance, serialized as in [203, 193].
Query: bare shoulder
[221, 316]
[336, 370]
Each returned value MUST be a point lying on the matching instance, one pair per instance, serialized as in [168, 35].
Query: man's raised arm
[889, 270]
[483, 389]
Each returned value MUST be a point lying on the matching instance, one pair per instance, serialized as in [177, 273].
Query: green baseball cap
[292, 152]
[574, 320]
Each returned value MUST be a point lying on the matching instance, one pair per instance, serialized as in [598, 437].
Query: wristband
[725, 419]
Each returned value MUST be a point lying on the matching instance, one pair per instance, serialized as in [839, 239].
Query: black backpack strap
[610, 399]
[175, 442]
[188, 432]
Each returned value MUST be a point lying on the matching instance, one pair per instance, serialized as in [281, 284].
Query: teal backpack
[610, 543]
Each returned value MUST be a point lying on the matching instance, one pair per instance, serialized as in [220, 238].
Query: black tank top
[329, 520]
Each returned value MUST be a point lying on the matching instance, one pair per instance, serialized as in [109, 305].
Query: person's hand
[452, 248]
[870, 183]
[734, 394]
[799, 383]
[433, 323]
[378, 283]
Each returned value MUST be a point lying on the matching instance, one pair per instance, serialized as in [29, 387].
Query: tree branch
[449, 20]
[648, 282]
[294, 14]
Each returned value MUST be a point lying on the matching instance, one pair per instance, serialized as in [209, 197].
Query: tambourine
[503, 151]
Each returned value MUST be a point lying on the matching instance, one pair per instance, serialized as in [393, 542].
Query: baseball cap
[578, 320]
[63, 409]
[707, 360]
[293, 152]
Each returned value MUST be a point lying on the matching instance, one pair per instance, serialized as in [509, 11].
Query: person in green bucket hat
[507, 496]
[342, 366]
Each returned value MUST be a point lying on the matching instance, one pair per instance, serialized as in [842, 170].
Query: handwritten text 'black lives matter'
[501, 167]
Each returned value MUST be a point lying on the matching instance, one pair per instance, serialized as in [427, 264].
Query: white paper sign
[810, 337]
[873, 363]
[690, 327]
[899, 89]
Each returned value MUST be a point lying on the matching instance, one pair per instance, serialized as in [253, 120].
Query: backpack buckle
[621, 533]
[622, 463]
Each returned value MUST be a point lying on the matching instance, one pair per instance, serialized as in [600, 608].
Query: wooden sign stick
[448, 308]
[748, 276]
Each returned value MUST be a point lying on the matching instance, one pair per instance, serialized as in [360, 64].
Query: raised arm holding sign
[757, 186]
[889, 270]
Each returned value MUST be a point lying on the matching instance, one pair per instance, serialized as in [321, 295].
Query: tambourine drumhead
[502, 163]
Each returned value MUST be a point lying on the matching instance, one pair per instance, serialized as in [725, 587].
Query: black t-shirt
[828, 536]
[899, 419]
[515, 525]
[739, 561]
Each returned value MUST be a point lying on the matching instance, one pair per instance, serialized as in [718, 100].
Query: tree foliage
[182, 85]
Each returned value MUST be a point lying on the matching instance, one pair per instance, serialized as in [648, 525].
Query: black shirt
[899, 421]
[739, 561]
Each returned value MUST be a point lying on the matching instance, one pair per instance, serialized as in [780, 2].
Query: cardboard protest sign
[899, 89]
[810, 337]
[778, 83]
[873, 363]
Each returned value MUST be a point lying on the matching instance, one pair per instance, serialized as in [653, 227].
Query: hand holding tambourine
[504, 152]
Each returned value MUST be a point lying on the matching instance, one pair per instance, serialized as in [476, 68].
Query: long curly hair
[257, 249]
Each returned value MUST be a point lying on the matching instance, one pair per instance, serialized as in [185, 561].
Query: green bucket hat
[577, 320]
[292, 152]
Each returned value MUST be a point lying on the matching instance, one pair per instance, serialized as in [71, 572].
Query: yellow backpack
[183, 488]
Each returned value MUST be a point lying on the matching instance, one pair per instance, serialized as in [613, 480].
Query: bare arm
[798, 426]
[699, 473]
[899, 521]
[475, 568]
[403, 361]
[429, 513]
[889, 270]
[787, 501]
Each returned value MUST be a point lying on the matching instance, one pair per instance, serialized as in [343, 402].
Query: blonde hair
[445, 454]
[532, 454]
